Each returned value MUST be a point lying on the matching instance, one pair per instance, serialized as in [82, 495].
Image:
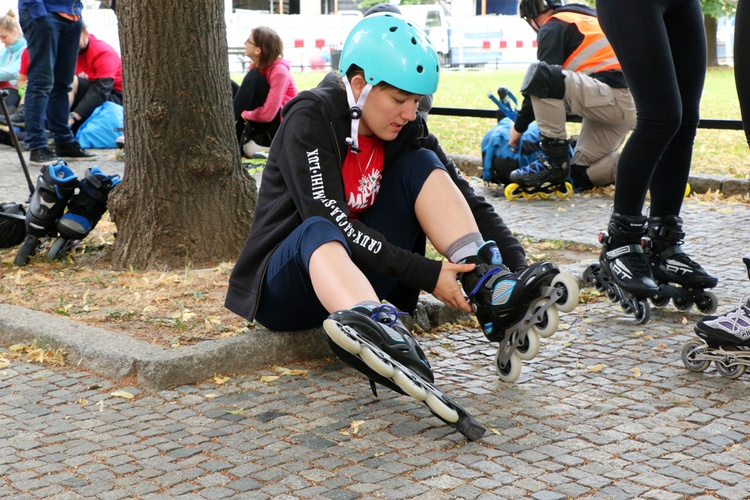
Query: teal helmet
[391, 49]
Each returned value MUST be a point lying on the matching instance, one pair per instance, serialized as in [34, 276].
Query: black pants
[742, 62]
[661, 45]
[252, 94]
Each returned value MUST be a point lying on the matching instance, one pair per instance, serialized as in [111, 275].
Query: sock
[370, 305]
[466, 246]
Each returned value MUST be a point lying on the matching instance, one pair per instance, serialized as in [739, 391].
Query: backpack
[102, 128]
[499, 160]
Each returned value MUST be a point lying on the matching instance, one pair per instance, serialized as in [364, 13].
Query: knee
[544, 81]
[317, 231]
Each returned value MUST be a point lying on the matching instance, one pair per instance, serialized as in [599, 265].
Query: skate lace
[387, 314]
[737, 317]
[483, 279]
[638, 264]
[532, 168]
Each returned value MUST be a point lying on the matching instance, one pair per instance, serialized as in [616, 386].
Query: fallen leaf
[596, 368]
[4, 363]
[269, 378]
[287, 371]
[636, 371]
[236, 412]
[212, 395]
[354, 427]
[123, 394]
[684, 320]
[220, 379]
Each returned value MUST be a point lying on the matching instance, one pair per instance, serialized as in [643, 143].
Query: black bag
[12, 224]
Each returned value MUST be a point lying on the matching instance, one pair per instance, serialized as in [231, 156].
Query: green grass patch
[717, 152]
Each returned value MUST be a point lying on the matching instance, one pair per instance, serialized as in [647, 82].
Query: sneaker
[41, 156]
[72, 151]
[16, 118]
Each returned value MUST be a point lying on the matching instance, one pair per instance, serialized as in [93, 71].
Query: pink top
[282, 90]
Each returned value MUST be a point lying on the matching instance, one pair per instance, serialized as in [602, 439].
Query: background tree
[712, 11]
[184, 194]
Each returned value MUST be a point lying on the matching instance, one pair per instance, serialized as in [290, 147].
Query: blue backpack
[499, 160]
[102, 128]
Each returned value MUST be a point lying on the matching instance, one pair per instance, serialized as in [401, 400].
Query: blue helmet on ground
[391, 49]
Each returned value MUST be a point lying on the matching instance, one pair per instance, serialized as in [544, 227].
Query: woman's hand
[448, 290]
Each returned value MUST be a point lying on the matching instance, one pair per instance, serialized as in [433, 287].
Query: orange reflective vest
[595, 53]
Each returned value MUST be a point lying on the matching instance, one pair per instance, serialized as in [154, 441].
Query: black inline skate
[727, 340]
[679, 277]
[623, 271]
[515, 309]
[54, 187]
[376, 343]
[546, 176]
[85, 209]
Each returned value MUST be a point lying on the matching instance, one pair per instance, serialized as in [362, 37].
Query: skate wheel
[26, 250]
[568, 193]
[510, 370]
[335, 331]
[689, 352]
[660, 301]
[57, 249]
[625, 306]
[527, 196]
[730, 371]
[440, 408]
[708, 304]
[682, 304]
[378, 365]
[571, 293]
[543, 195]
[549, 322]
[409, 386]
[687, 190]
[614, 298]
[511, 191]
[642, 312]
[529, 348]
[589, 275]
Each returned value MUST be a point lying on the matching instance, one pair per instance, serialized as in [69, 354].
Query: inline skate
[55, 186]
[516, 309]
[726, 340]
[376, 343]
[85, 209]
[623, 271]
[545, 177]
[680, 278]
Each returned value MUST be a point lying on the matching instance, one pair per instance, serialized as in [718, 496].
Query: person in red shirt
[98, 78]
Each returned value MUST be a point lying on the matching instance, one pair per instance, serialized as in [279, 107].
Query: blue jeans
[288, 301]
[53, 52]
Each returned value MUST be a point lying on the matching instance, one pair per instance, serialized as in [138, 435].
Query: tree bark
[185, 197]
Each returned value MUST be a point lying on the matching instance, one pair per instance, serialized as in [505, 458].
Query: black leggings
[250, 95]
[742, 62]
[661, 45]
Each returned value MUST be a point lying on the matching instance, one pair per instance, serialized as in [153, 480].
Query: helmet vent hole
[413, 41]
[420, 69]
[393, 29]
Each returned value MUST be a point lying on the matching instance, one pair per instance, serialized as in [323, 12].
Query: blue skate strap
[389, 312]
[484, 278]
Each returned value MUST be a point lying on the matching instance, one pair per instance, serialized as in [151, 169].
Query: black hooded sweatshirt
[302, 179]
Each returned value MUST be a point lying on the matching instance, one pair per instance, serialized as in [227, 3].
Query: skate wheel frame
[545, 319]
[529, 348]
[690, 353]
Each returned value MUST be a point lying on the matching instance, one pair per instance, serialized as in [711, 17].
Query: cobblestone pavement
[606, 410]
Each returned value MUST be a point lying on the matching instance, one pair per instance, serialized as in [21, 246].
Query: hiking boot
[42, 156]
[72, 151]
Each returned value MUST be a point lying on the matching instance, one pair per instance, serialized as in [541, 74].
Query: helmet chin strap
[355, 111]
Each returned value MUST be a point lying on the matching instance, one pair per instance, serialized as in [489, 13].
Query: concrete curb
[472, 166]
[117, 356]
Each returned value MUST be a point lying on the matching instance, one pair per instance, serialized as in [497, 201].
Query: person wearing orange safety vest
[577, 73]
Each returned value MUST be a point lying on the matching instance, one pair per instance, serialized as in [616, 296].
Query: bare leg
[338, 282]
[443, 212]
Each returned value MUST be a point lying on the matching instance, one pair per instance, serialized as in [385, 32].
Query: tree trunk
[185, 197]
[711, 30]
